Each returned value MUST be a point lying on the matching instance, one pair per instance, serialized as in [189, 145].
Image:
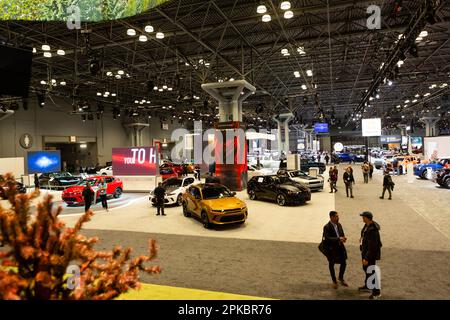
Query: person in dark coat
[349, 181]
[370, 170]
[333, 178]
[370, 252]
[388, 185]
[36, 182]
[88, 196]
[327, 158]
[334, 239]
[159, 194]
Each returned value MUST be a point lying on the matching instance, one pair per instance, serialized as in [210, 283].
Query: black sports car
[442, 177]
[306, 164]
[283, 190]
[58, 179]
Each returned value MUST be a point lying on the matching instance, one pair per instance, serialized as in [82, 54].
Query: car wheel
[179, 200]
[281, 199]
[423, 175]
[117, 193]
[185, 210]
[447, 183]
[205, 220]
[252, 195]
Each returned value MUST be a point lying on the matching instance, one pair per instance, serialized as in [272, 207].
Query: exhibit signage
[137, 161]
[390, 139]
[321, 128]
[44, 161]
[338, 147]
[371, 127]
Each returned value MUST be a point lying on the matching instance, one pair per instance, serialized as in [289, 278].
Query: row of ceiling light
[119, 74]
[143, 38]
[47, 53]
[285, 5]
[300, 50]
[106, 94]
[53, 82]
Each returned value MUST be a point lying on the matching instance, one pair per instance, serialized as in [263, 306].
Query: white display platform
[139, 183]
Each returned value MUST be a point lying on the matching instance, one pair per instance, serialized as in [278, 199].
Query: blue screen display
[321, 128]
[44, 161]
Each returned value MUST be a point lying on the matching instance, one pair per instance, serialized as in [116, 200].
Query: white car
[253, 171]
[107, 171]
[174, 187]
[313, 183]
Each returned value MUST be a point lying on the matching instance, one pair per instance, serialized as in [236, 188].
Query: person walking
[370, 170]
[334, 239]
[370, 246]
[365, 169]
[388, 185]
[36, 182]
[159, 194]
[332, 179]
[327, 159]
[88, 196]
[349, 181]
[102, 186]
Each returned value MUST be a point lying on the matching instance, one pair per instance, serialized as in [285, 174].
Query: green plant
[39, 250]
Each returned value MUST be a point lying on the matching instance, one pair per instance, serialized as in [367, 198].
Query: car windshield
[63, 175]
[281, 179]
[172, 183]
[165, 170]
[296, 174]
[216, 193]
[83, 182]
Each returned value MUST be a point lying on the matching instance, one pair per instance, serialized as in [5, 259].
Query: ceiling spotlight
[143, 38]
[155, 88]
[131, 32]
[107, 93]
[170, 89]
[261, 9]
[400, 63]
[301, 51]
[285, 5]
[160, 89]
[288, 14]
[149, 29]
[231, 79]
[121, 72]
[304, 86]
[164, 87]
[47, 54]
[43, 82]
[423, 34]
[45, 47]
[266, 18]
[297, 74]
[94, 66]
[418, 39]
[309, 73]
[113, 94]
[159, 35]
[34, 50]
[99, 94]
[389, 83]
[135, 101]
[284, 51]
[118, 76]
[417, 95]
[414, 101]
[60, 52]
[426, 94]
[407, 101]
[63, 83]
[109, 74]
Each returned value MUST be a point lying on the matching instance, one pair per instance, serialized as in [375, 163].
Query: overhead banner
[137, 161]
[390, 139]
[43, 161]
[371, 127]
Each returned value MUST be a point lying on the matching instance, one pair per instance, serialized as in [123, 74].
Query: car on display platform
[283, 190]
[175, 187]
[306, 164]
[106, 171]
[74, 195]
[442, 177]
[421, 169]
[58, 179]
[19, 187]
[177, 168]
[253, 171]
[313, 183]
[167, 173]
[351, 157]
[214, 204]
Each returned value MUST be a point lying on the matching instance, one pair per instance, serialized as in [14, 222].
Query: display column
[282, 121]
[230, 151]
[430, 125]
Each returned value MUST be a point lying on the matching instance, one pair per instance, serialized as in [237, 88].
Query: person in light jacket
[103, 194]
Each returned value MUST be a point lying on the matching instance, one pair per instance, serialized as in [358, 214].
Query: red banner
[137, 161]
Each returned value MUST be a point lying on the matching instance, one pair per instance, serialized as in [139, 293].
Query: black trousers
[375, 291]
[87, 204]
[342, 267]
[366, 177]
[160, 206]
[104, 202]
[349, 186]
[388, 189]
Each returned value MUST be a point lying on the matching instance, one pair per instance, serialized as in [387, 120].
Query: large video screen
[44, 161]
[137, 161]
[371, 127]
[321, 128]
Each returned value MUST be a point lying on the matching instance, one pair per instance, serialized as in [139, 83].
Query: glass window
[91, 182]
[109, 180]
[172, 183]
[216, 192]
[188, 181]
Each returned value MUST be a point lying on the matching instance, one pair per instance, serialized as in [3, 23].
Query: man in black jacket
[334, 239]
[159, 194]
[388, 185]
[88, 196]
[370, 252]
[349, 181]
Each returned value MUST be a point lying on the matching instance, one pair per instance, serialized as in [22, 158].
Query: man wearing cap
[370, 250]
[334, 239]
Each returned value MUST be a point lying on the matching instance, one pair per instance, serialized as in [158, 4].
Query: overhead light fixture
[389, 83]
[266, 18]
[423, 34]
[301, 50]
[159, 35]
[231, 79]
[304, 86]
[43, 82]
[417, 95]
[309, 73]
[109, 74]
[170, 88]
[34, 50]
[155, 88]
[400, 36]
[297, 74]
[143, 38]
[45, 47]
[414, 101]
[60, 52]
[63, 83]
[121, 72]
[400, 63]
[131, 32]
[118, 76]
[284, 51]
[107, 93]
[418, 39]
[285, 5]
[261, 9]
[164, 87]
[288, 14]
[149, 29]
[113, 94]
[99, 94]
[135, 101]
[160, 89]
[407, 101]
[399, 106]
[47, 54]
[426, 94]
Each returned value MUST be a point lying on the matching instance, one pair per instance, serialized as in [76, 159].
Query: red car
[177, 168]
[73, 195]
[167, 172]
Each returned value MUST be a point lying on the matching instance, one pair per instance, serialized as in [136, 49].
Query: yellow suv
[214, 204]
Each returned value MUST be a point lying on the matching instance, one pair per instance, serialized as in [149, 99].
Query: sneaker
[374, 296]
[390, 198]
[352, 197]
[343, 283]
[335, 285]
[163, 214]
[331, 191]
[381, 198]
[157, 214]
[363, 288]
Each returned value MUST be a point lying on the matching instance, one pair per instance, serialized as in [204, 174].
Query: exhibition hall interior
[225, 150]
